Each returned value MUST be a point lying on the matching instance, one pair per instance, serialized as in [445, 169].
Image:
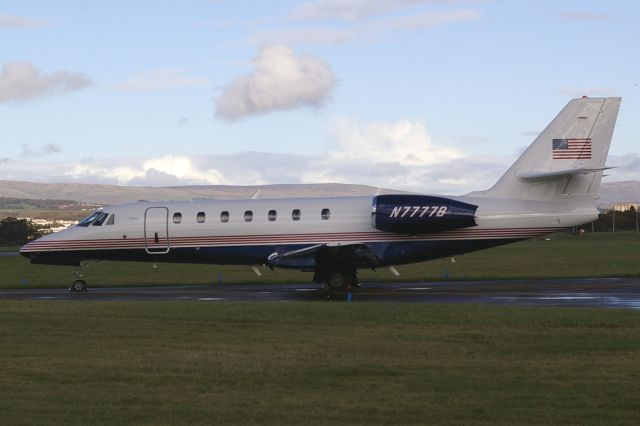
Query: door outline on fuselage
[153, 231]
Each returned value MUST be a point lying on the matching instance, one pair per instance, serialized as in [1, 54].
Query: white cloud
[281, 80]
[433, 19]
[404, 142]
[341, 35]
[351, 9]
[21, 81]
[627, 167]
[398, 154]
[154, 171]
[454, 177]
[389, 154]
[183, 168]
[159, 79]
[310, 35]
[17, 21]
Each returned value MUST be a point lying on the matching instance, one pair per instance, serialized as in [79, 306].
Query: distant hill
[611, 192]
[110, 194]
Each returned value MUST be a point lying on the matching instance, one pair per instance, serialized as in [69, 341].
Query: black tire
[79, 286]
[339, 280]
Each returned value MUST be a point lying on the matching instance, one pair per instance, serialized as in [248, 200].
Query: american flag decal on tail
[571, 149]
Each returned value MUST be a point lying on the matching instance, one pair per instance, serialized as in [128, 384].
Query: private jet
[552, 186]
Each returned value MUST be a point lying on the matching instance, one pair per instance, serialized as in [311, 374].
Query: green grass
[564, 256]
[315, 363]
[47, 214]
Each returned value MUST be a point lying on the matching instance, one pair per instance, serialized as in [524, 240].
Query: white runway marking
[566, 298]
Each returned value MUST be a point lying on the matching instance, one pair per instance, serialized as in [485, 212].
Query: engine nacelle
[419, 214]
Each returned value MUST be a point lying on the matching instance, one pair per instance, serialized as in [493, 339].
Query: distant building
[53, 225]
[623, 207]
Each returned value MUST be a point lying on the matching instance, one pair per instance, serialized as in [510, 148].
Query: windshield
[96, 218]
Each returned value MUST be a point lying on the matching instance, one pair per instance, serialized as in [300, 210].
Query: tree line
[623, 221]
[17, 232]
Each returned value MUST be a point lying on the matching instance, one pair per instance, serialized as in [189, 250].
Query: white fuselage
[153, 231]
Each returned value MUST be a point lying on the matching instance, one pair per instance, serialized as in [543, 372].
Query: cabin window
[248, 216]
[112, 220]
[326, 214]
[224, 216]
[177, 218]
[295, 214]
[272, 215]
[100, 219]
[200, 217]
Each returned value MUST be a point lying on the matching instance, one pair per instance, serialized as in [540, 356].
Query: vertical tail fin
[567, 159]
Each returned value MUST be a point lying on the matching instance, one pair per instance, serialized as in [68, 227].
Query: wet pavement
[583, 292]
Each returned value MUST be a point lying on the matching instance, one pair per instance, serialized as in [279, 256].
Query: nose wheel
[79, 285]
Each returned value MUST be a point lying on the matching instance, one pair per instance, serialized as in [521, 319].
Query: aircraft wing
[306, 257]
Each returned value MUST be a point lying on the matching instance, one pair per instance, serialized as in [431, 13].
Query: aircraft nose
[28, 251]
[33, 248]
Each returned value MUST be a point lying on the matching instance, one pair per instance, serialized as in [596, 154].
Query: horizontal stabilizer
[559, 174]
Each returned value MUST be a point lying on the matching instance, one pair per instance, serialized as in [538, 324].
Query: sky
[433, 96]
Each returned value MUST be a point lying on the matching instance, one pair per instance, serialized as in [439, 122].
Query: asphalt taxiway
[591, 292]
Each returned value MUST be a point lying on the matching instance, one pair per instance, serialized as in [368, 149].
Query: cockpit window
[89, 219]
[100, 219]
[112, 220]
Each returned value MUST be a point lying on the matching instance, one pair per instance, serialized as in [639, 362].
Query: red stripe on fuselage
[241, 240]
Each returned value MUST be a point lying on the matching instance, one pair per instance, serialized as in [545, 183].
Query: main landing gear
[336, 268]
[340, 280]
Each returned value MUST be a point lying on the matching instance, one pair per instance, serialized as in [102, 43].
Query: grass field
[316, 363]
[324, 363]
[564, 256]
[47, 214]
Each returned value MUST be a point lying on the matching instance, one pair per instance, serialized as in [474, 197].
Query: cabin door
[156, 230]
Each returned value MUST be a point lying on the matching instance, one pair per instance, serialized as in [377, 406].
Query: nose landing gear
[79, 285]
